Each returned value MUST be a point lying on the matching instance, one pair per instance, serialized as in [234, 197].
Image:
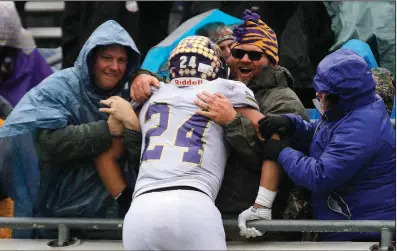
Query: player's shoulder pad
[162, 85]
[239, 94]
[225, 82]
[249, 95]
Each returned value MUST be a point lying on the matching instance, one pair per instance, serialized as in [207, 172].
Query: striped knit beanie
[254, 31]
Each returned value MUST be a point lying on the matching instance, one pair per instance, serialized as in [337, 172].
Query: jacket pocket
[337, 204]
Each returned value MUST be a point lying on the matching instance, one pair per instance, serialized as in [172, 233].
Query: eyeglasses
[252, 55]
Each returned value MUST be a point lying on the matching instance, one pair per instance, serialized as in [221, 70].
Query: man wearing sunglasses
[254, 62]
[247, 61]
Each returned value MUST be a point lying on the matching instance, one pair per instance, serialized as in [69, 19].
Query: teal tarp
[157, 57]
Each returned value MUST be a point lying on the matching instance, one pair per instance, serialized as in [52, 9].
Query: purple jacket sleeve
[304, 131]
[302, 127]
[343, 157]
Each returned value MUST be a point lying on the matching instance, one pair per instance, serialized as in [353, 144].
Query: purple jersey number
[190, 134]
[163, 110]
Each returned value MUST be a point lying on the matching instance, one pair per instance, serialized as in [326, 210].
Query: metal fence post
[386, 240]
[64, 239]
[63, 235]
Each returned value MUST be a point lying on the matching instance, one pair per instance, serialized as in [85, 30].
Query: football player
[183, 154]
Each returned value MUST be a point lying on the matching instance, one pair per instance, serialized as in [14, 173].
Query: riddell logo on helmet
[188, 81]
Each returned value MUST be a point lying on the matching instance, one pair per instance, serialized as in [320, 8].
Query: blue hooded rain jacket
[351, 167]
[67, 97]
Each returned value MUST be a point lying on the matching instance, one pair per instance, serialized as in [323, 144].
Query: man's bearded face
[247, 67]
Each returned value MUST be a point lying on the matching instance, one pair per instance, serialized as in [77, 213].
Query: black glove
[125, 198]
[272, 124]
[272, 149]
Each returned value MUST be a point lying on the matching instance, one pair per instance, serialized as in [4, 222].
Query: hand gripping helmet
[197, 57]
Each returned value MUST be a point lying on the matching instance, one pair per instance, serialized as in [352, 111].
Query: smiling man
[62, 116]
[110, 65]
[255, 47]
[254, 61]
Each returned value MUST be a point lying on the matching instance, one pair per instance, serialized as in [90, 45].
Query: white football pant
[173, 220]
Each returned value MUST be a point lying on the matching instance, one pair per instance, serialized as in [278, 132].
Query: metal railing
[386, 228]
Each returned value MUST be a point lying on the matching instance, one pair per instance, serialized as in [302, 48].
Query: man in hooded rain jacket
[62, 116]
[351, 166]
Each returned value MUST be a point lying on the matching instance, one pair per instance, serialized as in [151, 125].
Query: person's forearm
[241, 135]
[111, 175]
[271, 176]
[143, 71]
[74, 142]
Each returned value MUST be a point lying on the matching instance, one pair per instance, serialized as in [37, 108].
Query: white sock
[265, 197]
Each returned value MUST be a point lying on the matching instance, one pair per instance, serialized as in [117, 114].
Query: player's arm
[239, 131]
[271, 171]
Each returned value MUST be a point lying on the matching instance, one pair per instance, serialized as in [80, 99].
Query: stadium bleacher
[43, 19]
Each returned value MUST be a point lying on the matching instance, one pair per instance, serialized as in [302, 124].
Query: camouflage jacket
[240, 185]
[385, 86]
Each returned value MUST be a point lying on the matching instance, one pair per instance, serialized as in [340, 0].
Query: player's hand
[141, 88]
[252, 214]
[122, 111]
[215, 107]
[115, 126]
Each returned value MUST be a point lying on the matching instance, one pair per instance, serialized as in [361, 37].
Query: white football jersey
[180, 147]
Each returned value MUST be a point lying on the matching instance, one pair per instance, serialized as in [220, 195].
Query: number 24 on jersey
[189, 135]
